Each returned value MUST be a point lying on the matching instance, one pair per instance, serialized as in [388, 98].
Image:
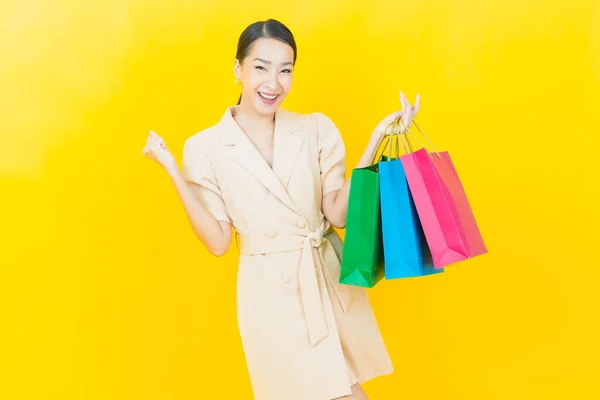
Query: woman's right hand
[406, 116]
[157, 151]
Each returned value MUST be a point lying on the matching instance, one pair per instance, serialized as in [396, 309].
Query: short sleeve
[332, 153]
[196, 168]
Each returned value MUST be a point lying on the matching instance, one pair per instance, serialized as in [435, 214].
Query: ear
[237, 69]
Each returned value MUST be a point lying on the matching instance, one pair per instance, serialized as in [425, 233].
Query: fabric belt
[317, 254]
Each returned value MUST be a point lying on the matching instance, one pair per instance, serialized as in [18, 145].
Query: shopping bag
[406, 252]
[448, 223]
[473, 240]
[362, 254]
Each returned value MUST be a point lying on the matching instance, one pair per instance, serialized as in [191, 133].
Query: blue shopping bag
[406, 253]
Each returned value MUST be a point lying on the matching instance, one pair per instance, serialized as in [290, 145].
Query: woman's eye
[287, 71]
[260, 67]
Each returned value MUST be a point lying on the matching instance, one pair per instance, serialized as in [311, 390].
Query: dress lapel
[243, 152]
[288, 142]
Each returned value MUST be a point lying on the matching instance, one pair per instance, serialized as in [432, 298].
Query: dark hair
[270, 28]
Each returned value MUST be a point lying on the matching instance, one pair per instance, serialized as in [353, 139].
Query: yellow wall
[105, 293]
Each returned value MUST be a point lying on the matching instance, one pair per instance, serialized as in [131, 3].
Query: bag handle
[388, 138]
[399, 136]
[378, 157]
[393, 130]
[398, 121]
[387, 141]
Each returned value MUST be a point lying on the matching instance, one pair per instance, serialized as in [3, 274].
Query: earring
[238, 82]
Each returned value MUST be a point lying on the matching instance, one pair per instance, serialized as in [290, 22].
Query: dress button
[287, 279]
[301, 224]
[271, 234]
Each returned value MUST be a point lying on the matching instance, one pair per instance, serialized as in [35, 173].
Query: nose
[272, 81]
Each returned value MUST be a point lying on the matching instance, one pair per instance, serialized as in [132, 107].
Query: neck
[251, 121]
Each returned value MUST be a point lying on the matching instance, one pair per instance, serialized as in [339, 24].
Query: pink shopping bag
[448, 222]
[474, 243]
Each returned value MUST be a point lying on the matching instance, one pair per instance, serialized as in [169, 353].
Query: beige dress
[305, 336]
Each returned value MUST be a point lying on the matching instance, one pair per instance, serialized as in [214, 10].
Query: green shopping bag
[362, 254]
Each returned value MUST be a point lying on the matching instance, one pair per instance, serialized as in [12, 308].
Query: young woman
[278, 178]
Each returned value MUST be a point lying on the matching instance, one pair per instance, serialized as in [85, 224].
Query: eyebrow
[269, 62]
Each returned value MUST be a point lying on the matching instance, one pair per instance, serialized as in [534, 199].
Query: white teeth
[264, 96]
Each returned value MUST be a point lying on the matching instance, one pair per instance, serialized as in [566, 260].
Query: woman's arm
[335, 204]
[215, 235]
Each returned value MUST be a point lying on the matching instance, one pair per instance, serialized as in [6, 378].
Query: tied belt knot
[316, 238]
[318, 259]
[317, 262]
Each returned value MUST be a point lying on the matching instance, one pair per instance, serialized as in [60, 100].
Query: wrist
[172, 169]
[376, 138]
[377, 134]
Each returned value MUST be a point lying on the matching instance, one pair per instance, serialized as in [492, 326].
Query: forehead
[271, 50]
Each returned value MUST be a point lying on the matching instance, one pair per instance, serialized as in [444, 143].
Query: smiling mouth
[268, 97]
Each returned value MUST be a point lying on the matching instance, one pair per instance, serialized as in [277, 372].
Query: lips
[268, 97]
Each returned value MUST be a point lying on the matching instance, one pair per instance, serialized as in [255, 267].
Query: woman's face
[266, 75]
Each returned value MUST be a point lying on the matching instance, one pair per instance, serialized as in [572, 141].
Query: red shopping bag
[448, 222]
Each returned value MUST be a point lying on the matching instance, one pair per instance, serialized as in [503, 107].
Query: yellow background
[106, 294]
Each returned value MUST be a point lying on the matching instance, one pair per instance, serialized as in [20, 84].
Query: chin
[267, 109]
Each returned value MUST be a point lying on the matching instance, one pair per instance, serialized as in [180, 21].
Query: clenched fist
[156, 150]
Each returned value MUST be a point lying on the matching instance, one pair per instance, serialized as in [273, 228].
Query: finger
[406, 120]
[403, 127]
[410, 110]
[400, 123]
[406, 115]
[407, 105]
[407, 123]
[403, 100]
[410, 115]
[417, 105]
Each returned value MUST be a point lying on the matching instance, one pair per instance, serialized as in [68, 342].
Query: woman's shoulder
[316, 121]
[204, 138]
[210, 135]
[318, 115]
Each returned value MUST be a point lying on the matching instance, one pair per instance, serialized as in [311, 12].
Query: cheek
[253, 79]
[286, 82]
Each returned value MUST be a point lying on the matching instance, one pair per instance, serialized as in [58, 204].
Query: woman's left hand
[407, 113]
